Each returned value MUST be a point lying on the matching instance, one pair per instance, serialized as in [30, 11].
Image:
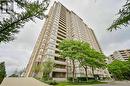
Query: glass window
[50, 51]
[52, 45]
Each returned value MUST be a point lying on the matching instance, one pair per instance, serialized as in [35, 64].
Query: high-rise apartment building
[122, 55]
[61, 24]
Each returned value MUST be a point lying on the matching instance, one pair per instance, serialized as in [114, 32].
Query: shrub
[106, 78]
[51, 82]
[2, 71]
[91, 78]
[69, 78]
[81, 78]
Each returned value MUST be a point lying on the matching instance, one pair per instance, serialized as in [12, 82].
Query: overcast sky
[97, 14]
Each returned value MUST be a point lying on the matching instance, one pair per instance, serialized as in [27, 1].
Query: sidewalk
[26, 81]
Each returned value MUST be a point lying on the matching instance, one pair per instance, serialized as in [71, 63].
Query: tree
[97, 60]
[68, 49]
[47, 67]
[129, 60]
[30, 10]
[92, 58]
[123, 19]
[83, 49]
[2, 71]
[36, 69]
[120, 70]
[82, 52]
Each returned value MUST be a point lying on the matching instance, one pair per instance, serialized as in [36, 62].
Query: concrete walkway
[22, 82]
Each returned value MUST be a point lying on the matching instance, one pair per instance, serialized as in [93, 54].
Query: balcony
[57, 55]
[60, 38]
[60, 79]
[60, 59]
[61, 31]
[62, 21]
[58, 41]
[121, 51]
[59, 76]
[60, 62]
[61, 35]
[59, 70]
[62, 26]
[124, 55]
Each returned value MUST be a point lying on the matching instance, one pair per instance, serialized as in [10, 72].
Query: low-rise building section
[122, 55]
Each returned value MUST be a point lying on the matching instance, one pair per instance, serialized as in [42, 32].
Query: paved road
[22, 82]
[116, 83]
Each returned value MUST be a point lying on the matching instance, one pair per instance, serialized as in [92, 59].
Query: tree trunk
[86, 73]
[73, 70]
[93, 72]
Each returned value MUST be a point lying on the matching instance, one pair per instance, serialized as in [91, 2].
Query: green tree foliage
[47, 67]
[30, 10]
[68, 49]
[88, 56]
[2, 71]
[123, 19]
[129, 60]
[82, 52]
[120, 70]
[82, 55]
[36, 69]
[96, 60]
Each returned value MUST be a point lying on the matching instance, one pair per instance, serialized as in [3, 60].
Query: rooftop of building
[120, 51]
[73, 13]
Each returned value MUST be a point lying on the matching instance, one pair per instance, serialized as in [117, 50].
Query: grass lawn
[79, 85]
[89, 83]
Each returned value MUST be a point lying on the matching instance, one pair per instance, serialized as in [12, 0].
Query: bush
[1, 79]
[81, 79]
[51, 82]
[2, 71]
[91, 78]
[69, 78]
[106, 78]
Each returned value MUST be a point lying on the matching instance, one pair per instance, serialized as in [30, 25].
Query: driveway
[22, 82]
[116, 83]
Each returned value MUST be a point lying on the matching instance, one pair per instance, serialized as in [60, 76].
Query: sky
[97, 14]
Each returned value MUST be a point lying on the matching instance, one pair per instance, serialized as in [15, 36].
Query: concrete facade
[61, 24]
[122, 55]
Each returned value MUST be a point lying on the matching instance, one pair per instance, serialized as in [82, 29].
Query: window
[50, 51]
[40, 52]
[52, 40]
